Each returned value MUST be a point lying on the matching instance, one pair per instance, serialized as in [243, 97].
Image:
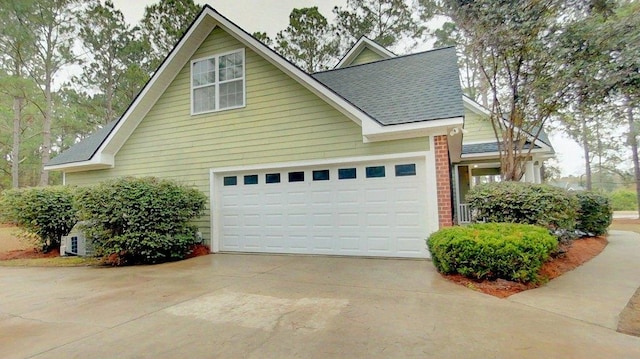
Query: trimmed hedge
[46, 212]
[140, 220]
[492, 250]
[595, 213]
[517, 202]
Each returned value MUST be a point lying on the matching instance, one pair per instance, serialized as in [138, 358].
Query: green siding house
[359, 160]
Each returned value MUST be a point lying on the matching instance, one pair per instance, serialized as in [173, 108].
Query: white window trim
[217, 82]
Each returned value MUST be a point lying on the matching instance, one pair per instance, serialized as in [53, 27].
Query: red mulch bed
[28, 254]
[199, 250]
[575, 254]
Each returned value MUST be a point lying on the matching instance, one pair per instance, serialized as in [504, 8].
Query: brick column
[443, 180]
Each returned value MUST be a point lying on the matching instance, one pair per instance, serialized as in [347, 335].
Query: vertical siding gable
[366, 56]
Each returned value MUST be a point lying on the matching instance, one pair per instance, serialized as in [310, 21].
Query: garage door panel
[348, 197]
[322, 220]
[273, 199]
[274, 220]
[250, 219]
[349, 243]
[348, 220]
[407, 220]
[381, 216]
[251, 242]
[379, 244]
[322, 243]
[297, 198]
[376, 196]
[232, 241]
[275, 241]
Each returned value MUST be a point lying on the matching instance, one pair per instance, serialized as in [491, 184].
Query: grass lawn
[9, 242]
[51, 262]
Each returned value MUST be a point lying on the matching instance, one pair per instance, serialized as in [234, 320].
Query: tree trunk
[46, 131]
[484, 90]
[511, 160]
[587, 159]
[109, 103]
[633, 142]
[15, 145]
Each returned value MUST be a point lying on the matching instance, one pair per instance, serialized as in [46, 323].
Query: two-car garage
[364, 208]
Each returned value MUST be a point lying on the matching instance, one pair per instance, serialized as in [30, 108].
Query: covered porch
[469, 174]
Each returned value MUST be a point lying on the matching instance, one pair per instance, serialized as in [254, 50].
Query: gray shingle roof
[411, 88]
[487, 147]
[84, 150]
[542, 136]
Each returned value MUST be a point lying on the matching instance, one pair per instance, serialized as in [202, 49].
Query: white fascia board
[97, 162]
[377, 132]
[475, 107]
[361, 44]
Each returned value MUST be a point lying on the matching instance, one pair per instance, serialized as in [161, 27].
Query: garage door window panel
[296, 176]
[375, 172]
[251, 179]
[230, 181]
[346, 173]
[321, 175]
[406, 170]
[272, 178]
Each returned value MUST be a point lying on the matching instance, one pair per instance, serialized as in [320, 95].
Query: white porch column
[529, 173]
[537, 174]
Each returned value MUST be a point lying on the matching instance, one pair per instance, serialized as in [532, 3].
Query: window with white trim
[217, 82]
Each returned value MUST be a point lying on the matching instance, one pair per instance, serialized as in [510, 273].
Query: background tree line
[566, 65]
[69, 66]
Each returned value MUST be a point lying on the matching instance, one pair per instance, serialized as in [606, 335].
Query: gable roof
[86, 156]
[85, 149]
[542, 142]
[363, 43]
[406, 89]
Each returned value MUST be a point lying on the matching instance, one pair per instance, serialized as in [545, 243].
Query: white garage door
[365, 209]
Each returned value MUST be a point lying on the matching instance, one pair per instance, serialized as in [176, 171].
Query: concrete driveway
[262, 306]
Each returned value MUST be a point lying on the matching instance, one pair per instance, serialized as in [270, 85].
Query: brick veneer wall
[443, 181]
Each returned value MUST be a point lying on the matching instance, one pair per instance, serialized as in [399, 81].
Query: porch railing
[464, 213]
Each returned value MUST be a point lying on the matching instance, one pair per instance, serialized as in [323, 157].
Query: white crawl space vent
[76, 243]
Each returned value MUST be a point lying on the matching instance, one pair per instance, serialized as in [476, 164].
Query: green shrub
[595, 213]
[46, 212]
[623, 200]
[517, 202]
[492, 250]
[140, 220]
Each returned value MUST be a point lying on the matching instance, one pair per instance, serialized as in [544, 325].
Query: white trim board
[320, 162]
